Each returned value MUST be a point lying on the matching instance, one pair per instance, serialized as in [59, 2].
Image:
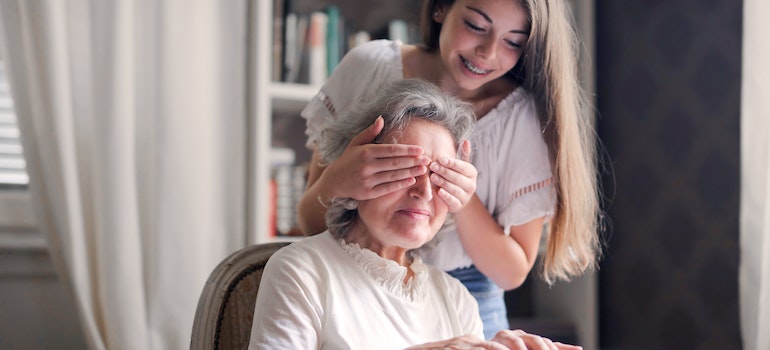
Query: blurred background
[665, 79]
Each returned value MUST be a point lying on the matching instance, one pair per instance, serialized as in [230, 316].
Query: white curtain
[755, 177]
[132, 116]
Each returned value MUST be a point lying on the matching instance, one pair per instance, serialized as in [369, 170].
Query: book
[290, 54]
[282, 211]
[316, 46]
[359, 38]
[333, 42]
[295, 61]
[398, 30]
[279, 6]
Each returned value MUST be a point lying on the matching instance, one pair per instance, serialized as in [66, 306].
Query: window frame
[18, 226]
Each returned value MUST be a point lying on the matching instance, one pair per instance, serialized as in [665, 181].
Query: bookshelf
[276, 105]
[290, 97]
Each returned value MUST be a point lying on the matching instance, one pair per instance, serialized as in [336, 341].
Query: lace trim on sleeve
[531, 188]
[327, 102]
[527, 203]
[318, 110]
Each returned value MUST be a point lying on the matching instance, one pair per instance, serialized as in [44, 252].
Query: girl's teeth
[473, 68]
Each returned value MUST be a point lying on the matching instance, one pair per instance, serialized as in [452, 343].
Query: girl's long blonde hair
[548, 70]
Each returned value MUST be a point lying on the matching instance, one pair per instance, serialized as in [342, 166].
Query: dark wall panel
[668, 95]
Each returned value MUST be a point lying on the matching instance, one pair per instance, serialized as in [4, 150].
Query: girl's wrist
[466, 210]
[323, 192]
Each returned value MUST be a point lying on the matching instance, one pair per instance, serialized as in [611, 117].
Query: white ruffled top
[388, 273]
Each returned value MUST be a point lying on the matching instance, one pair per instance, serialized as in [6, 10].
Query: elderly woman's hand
[366, 171]
[456, 179]
[521, 340]
[503, 340]
[466, 342]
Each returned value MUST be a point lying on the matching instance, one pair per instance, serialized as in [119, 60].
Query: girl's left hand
[456, 179]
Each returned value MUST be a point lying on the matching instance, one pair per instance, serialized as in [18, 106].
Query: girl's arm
[312, 206]
[505, 259]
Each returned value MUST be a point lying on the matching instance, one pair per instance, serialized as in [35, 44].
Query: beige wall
[36, 312]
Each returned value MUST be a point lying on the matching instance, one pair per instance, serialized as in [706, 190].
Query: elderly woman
[356, 286]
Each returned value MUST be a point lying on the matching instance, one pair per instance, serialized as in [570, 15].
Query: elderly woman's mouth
[416, 213]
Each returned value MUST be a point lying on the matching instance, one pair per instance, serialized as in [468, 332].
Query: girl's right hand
[365, 170]
[456, 179]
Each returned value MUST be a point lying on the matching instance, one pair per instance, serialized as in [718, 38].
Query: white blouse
[321, 293]
[508, 150]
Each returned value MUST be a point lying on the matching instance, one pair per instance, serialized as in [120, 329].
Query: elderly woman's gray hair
[397, 103]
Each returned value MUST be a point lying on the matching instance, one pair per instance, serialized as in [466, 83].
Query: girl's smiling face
[481, 40]
[408, 218]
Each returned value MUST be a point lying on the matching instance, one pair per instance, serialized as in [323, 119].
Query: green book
[333, 44]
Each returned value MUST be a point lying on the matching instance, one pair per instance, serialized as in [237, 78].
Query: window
[12, 166]
[17, 224]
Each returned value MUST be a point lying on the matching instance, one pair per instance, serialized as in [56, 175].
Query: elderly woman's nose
[422, 188]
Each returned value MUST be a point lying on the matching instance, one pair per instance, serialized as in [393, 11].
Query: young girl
[533, 158]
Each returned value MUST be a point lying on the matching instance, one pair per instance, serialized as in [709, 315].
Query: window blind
[12, 165]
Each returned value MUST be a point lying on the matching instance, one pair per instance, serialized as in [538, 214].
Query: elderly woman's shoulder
[307, 249]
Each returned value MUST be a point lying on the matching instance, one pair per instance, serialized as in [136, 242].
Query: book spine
[291, 55]
[398, 31]
[359, 38]
[332, 38]
[278, 43]
[317, 48]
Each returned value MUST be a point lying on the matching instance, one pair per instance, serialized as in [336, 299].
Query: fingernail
[444, 160]
[435, 167]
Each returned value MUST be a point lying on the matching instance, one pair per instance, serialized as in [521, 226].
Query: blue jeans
[489, 297]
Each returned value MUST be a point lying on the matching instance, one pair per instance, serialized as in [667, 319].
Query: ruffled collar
[389, 274]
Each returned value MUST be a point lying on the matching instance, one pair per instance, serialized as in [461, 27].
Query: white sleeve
[526, 191]
[360, 73]
[467, 311]
[288, 312]
[461, 306]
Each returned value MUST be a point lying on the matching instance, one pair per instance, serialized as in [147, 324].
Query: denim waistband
[479, 285]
